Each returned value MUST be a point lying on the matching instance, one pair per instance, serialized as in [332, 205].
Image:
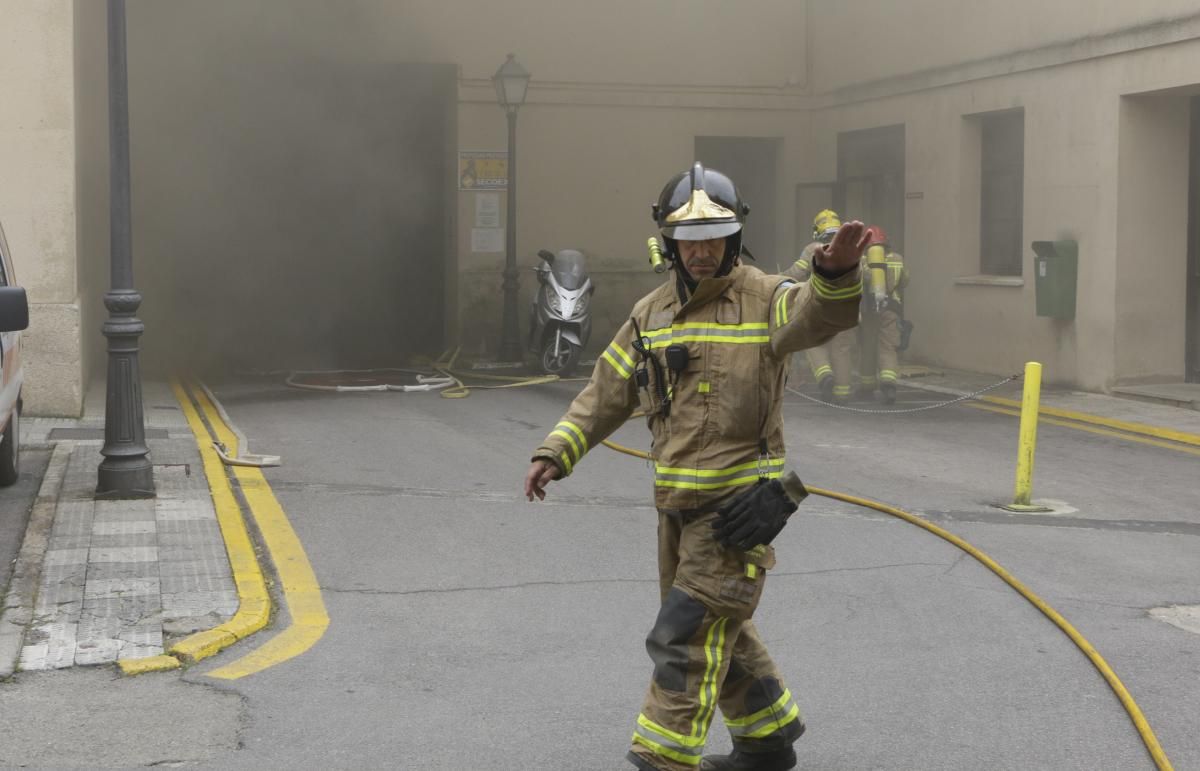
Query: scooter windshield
[569, 270]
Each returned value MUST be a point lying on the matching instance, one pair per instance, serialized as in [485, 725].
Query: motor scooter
[560, 321]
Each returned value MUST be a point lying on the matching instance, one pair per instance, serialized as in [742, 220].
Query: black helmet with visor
[699, 205]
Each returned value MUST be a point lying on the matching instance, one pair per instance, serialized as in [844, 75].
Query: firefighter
[831, 362]
[884, 277]
[705, 357]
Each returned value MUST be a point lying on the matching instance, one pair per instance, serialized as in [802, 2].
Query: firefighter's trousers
[707, 653]
[835, 358]
[879, 336]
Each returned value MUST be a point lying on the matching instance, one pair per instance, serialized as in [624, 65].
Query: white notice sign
[487, 210]
[487, 240]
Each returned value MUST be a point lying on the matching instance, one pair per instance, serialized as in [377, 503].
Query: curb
[152, 664]
[254, 603]
[1144, 429]
[17, 612]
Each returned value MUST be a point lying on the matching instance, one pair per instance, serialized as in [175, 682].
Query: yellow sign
[479, 170]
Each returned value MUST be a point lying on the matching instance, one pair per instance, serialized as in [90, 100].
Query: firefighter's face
[702, 258]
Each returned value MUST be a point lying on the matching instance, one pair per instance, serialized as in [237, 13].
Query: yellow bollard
[1027, 441]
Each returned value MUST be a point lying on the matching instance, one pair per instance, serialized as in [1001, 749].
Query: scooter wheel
[564, 363]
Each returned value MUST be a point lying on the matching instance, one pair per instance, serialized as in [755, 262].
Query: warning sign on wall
[482, 170]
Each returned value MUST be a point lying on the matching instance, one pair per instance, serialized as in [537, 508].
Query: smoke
[289, 182]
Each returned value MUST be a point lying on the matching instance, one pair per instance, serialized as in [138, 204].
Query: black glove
[758, 515]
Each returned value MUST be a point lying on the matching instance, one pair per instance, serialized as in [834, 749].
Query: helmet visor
[701, 231]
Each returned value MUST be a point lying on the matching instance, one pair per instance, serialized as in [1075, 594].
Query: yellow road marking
[1089, 429]
[150, 664]
[1083, 417]
[301, 590]
[254, 604]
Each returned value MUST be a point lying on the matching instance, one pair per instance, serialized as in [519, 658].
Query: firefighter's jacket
[801, 269]
[725, 426]
[897, 273]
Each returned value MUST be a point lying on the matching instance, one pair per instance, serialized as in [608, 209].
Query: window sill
[989, 280]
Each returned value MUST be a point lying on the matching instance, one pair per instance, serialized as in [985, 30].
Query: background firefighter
[705, 357]
[830, 362]
[882, 314]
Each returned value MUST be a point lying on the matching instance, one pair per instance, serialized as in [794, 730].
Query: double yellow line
[300, 589]
[1141, 433]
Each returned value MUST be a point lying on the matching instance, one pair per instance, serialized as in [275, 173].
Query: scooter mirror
[547, 256]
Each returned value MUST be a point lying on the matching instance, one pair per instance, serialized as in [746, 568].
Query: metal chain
[927, 407]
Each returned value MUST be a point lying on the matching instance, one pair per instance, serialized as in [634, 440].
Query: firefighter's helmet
[699, 205]
[826, 225]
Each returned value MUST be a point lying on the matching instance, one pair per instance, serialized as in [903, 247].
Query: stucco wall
[91, 181]
[600, 134]
[1072, 182]
[900, 38]
[667, 43]
[37, 199]
[587, 178]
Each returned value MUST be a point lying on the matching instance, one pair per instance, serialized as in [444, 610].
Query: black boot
[778, 760]
[888, 392]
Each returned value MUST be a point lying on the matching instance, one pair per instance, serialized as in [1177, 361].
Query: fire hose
[1118, 688]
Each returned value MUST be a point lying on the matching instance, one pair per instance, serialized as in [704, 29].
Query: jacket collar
[707, 290]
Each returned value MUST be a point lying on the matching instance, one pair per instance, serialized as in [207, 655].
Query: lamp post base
[126, 471]
[120, 479]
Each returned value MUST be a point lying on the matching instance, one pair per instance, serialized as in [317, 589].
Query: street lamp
[125, 471]
[511, 82]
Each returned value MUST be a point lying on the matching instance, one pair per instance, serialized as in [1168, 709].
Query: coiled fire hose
[444, 378]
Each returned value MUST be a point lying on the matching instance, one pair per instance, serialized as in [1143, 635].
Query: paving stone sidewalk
[124, 579]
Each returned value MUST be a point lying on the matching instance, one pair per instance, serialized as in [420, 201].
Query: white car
[14, 317]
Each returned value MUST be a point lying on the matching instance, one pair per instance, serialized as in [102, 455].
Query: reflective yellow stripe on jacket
[575, 439]
[781, 303]
[753, 333]
[716, 479]
[827, 291]
[619, 360]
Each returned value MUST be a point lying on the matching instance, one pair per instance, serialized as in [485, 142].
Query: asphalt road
[468, 624]
[471, 629]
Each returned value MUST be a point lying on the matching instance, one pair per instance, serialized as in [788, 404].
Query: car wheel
[10, 465]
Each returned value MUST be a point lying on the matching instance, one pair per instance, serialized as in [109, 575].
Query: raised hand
[846, 249]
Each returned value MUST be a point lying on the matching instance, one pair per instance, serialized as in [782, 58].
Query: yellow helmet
[825, 224]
